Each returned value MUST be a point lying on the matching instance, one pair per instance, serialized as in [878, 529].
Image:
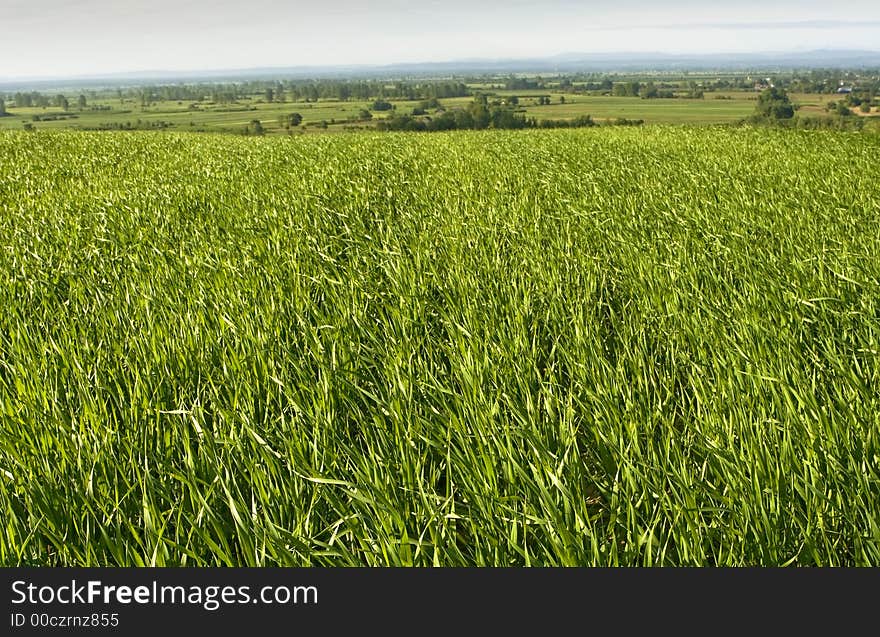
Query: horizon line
[159, 73]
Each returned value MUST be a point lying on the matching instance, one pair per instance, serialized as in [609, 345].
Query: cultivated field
[603, 346]
[189, 116]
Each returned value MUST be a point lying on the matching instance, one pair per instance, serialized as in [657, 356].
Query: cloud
[95, 36]
[800, 24]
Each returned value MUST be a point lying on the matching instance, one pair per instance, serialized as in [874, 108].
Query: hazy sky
[73, 37]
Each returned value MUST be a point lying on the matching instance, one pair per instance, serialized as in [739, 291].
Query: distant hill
[564, 62]
[722, 61]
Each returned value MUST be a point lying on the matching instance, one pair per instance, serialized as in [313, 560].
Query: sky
[60, 38]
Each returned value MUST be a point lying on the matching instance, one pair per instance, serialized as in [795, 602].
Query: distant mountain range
[562, 63]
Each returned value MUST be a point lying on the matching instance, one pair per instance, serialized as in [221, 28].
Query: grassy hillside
[605, 346]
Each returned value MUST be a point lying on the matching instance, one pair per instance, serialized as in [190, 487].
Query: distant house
[844, 89]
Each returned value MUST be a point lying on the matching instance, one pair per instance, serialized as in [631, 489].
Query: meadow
[342, 116]
[338, 116]
[634, 346]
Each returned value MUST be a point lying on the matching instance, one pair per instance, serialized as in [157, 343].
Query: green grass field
[657, 345]
[210, 117]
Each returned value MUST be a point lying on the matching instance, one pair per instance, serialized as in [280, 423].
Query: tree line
[480, 115]
[774, 107]
[296, 91]
[40, 100]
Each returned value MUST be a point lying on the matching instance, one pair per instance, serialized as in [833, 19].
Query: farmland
[257, 108]
[603, 346]
[342, 116]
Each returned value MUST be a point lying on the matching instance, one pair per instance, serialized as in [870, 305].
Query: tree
[3, 108]
[626, 89]
[773, 103]
[480, 114]
[258, 127]
[505, 118]
[463, 119]
[270, 95]
[294, 120]
[81, 102]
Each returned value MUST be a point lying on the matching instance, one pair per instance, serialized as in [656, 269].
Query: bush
[622, 121]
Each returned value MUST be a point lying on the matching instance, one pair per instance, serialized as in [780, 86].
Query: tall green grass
[652, 346]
